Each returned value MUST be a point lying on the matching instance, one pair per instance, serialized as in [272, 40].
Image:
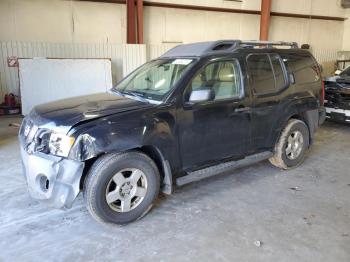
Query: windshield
[346, 72]
[155, 79]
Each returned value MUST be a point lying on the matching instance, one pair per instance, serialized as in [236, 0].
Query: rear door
[268, 82]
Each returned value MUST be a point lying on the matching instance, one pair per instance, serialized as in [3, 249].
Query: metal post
[130, 24]
[265, 19]
[140, 21]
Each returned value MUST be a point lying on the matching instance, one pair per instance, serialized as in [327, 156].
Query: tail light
[323, 94]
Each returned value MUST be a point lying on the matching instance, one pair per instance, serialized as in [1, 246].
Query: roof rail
[268, 44]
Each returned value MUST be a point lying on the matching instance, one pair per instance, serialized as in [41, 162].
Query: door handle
[242, 109]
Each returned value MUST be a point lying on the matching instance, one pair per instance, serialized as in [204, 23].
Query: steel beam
[139, 21]
[265, 19]
[130, 22]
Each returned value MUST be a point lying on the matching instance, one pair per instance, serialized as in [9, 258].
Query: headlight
[60, 144]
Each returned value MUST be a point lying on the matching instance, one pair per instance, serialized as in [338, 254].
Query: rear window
[266, 73]
[303, 67]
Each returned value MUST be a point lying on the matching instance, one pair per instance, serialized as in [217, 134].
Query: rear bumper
[337, 114]
[51, 179]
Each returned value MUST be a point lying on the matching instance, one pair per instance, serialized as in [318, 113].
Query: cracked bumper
[51, 179]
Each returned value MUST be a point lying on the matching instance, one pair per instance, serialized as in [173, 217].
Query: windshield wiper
[135, 94]
[117, 92]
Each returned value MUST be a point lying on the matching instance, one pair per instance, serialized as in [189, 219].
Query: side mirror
[337, 72]
[202, 95]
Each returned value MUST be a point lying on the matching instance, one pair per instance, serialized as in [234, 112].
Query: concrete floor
[219, 219]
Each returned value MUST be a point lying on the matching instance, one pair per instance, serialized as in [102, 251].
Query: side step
[220, 168]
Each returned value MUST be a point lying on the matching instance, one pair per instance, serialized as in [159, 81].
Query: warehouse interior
[254, 213]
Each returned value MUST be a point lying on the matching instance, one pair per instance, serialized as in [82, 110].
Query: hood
[338, 79]
[61, 115]
[337, 83]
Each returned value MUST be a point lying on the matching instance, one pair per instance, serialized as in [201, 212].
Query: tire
[283, 156]
[107, 195]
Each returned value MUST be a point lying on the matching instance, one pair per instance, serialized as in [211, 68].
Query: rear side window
[266, 73]
[303, 67]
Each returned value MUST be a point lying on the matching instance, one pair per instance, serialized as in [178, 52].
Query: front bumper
[54, 180]
[337, 114]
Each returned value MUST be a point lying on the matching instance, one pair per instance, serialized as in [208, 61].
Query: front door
[218, 129]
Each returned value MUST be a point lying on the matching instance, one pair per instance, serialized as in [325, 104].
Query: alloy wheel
[294, 145]
[126, 190]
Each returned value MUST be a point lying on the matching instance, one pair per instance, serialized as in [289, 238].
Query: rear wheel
[291, 147]
[121, 188]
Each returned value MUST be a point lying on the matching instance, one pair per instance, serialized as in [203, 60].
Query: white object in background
[337, 72]
[46, 80]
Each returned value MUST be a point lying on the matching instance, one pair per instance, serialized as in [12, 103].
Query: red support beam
[139, 21]
[130, 22]
[265, 19]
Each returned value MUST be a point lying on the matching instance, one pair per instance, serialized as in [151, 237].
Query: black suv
[198, 110]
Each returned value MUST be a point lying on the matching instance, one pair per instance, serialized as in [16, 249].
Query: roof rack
[204, 48]
[268, 44]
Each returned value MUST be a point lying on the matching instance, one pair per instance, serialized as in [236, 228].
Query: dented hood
[61, 115]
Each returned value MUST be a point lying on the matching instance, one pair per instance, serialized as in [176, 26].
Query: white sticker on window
[182, 61]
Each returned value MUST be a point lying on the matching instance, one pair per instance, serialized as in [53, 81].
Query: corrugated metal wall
[124, 57]
[327, 59]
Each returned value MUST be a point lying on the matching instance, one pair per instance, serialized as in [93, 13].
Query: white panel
[45, 80]
[9, 76]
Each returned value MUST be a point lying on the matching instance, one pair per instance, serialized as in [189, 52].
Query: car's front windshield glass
[346, 72]
[154, 80]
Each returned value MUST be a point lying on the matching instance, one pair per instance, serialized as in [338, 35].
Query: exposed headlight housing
[60, 144]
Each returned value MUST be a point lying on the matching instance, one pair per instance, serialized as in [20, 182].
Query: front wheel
[121, 188]
[291, 147]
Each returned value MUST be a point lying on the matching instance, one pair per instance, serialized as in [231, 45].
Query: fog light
[44, 183]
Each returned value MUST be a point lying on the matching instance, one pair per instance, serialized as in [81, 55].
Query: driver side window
[222, 77]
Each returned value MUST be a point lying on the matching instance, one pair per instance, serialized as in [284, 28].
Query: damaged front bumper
[54, 180]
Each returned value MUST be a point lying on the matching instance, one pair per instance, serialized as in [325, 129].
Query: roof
[206, 48]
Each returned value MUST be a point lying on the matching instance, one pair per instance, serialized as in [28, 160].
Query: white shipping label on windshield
[182, 61]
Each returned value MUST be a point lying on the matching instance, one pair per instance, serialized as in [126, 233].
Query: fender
[151, 133]
[305, 109]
